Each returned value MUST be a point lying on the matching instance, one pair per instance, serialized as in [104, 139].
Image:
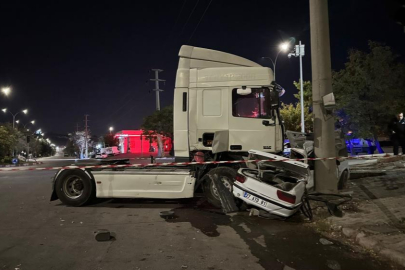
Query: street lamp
[6, 91]
[283, 47]
[14, 115]
[111, 129]
[25, 125]
[299, 51]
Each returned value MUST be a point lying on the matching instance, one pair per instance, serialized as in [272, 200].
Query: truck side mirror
[244, 91]
[329, 102]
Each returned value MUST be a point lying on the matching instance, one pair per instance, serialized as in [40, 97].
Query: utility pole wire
[191, 14]
[195, 29]
[175, 23]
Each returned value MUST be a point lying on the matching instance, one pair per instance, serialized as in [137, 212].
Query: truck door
[252, 123]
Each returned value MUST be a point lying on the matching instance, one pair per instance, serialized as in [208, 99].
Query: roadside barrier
[185, 163]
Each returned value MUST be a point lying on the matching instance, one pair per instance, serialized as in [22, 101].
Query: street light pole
[301, 47]
[300, 52]
[14, 115]
[283, 48]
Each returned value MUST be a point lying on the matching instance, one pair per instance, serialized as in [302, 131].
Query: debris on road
[102, 235]
[167, 214]
[325, 242]
[334, 265]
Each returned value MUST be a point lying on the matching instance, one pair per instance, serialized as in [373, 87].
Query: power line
[175, 23]
[191, 14]
[195, 29]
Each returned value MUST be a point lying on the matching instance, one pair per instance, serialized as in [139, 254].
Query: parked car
[359, 145]
[112, 151]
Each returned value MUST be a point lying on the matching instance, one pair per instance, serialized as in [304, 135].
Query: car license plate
[254, 199]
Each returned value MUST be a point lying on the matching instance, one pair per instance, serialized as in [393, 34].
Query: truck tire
[227, 176]
[75, 187]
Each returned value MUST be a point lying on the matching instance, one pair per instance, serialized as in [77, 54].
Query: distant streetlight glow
[17, 121]
[111, 129]
[6, 91]
[25, 111]
[33, 122]
[284, 46]
[4, 110]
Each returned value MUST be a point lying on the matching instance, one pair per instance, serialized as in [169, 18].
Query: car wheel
[75, 187]
[227, 177]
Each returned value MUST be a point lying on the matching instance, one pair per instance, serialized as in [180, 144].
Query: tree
[110, 140]
[158, 124]
[79, 139]
[307, 93]
[370, 89]
[8, 140]
[71, 148]
[291, 113]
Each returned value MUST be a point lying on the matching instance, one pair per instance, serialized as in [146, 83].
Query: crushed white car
[276, 187]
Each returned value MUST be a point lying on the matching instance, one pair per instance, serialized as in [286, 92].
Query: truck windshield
[254, 105]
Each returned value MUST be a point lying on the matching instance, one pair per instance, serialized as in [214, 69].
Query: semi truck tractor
[224, 106]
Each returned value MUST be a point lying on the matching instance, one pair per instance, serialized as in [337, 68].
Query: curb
[361, 239]
[356, 174]
[21, 165]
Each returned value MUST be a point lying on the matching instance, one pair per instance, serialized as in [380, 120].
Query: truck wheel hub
[73, 187]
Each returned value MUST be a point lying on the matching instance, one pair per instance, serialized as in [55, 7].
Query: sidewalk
[375, 218]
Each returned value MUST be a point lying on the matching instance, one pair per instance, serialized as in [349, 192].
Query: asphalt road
[38, 234]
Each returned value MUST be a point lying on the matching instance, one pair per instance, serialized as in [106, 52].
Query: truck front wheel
[74, 187]
[226, 175]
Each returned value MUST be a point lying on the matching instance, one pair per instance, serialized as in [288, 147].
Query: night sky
[65, 59]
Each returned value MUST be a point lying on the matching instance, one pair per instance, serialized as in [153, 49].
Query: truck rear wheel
[75, 187]
[226, 175]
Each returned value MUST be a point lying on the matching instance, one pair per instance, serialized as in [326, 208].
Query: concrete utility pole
[157, 89]
[324, 138]
[87, 135]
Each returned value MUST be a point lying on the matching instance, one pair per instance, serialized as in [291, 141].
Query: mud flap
[226, 197]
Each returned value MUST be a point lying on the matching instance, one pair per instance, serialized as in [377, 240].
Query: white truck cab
[223, 103]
